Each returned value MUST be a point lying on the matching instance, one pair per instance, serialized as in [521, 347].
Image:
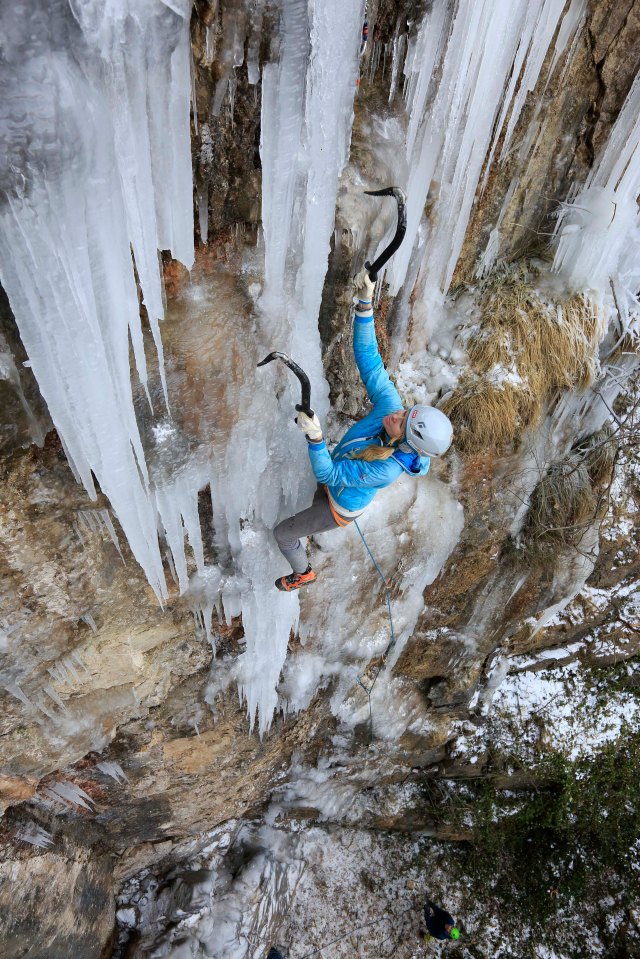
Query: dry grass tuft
[524, 350]
[628, 343]
[485, 415]
[562, 506]
[599, 454]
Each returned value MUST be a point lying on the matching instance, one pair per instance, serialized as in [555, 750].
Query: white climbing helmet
[429, 431]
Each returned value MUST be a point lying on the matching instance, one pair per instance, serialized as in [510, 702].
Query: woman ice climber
[373, 453]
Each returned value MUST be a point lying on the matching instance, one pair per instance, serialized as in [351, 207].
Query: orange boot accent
[287, 584]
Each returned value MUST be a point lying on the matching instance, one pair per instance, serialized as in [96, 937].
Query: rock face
[77, 887]
[95, 672]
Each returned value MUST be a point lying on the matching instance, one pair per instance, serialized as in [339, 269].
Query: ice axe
[372, 268]
[401, 198]
[304, 406]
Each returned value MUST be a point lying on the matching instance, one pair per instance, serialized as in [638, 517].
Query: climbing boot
[296, 580]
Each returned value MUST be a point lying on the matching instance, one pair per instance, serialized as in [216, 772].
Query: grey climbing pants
[316, 519]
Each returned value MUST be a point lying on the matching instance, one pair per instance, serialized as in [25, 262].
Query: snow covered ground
[309, 891]
[297, 887]
[571, 708]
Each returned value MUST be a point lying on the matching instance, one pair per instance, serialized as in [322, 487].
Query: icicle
[255, 37]
[203, 212]
[67, 793]
[52, 694]
[106, 519]
[233, 83]
[35, 835]
[76, 656]
[9, 372]
[427, 51]
[569, 30]
[56, 675]
[70, 668]
[17, 693]
[42, 706]
[399, 45]
[207, 613]
[171, 564]
[177, 504]
[90, 621]
[194, 102]
[112, 769]
[490, 255]
[598, 230]
[64, 673]
[231, 56]
[283, 85]
[374, 60]
[210, 51]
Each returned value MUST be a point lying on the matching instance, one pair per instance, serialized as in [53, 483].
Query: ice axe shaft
[374, 268]
[305, 403]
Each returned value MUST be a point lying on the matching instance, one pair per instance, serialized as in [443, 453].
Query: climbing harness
[392, 641]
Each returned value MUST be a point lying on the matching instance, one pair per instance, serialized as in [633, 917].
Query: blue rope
[392, 641]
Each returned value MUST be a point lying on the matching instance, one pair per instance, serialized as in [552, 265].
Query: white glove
[310, 426]
[364, 286]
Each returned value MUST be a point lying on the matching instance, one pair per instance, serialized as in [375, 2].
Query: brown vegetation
[524, 350]
[600, 454]
[562, 506]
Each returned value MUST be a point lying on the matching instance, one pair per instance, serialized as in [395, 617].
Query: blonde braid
[371, 453]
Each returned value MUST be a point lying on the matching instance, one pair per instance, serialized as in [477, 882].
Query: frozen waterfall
[598, 232]
[80, 186]
[96, 135]
[307, 113]
[95, 128]
[461, 72]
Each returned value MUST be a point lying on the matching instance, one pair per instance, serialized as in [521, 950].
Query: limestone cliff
[124, 738]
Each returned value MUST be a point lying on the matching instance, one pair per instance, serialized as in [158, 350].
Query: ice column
[598, 233]
[331, 84]
[84, 175]
[143, 67]
[283, 90]
[307, 113]
[460, 81]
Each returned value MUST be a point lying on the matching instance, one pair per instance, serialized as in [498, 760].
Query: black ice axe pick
[304, 406]
[401, 198]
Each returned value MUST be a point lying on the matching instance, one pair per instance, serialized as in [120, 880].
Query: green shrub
[542, 853]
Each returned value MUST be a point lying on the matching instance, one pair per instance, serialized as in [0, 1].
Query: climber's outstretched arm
[378, 385]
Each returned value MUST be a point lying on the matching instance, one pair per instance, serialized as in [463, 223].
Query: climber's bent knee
[316, 519]
[284, 533]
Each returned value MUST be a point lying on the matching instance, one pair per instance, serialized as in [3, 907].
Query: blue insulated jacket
[353, 483]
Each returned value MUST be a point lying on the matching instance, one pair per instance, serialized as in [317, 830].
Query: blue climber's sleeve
[378, 385]
[360, 473]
